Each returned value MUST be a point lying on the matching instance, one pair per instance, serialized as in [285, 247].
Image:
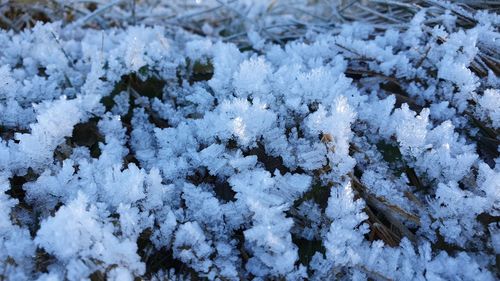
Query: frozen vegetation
[351, 151]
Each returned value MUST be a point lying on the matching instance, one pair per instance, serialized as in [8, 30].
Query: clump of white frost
[54, 122]
[489, 105]
[80, 237]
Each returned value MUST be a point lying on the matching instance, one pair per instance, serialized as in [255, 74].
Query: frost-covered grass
[249, 140]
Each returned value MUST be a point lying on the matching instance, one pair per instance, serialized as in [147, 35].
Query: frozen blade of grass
[348, 5]
[390, 3]
[388, 236]
[384, 16]
[391, 212]
[479, 68]
[311, 14]
[8, 22]
[414, 180]
[379, 230]
[491, 62]
[198, 13]
[227, 6]
[414, 199]
[95, 13]
[488, 131]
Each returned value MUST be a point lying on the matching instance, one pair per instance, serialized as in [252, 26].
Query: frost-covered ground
[229, 150]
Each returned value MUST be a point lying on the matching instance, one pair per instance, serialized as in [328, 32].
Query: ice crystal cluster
[142, 153]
